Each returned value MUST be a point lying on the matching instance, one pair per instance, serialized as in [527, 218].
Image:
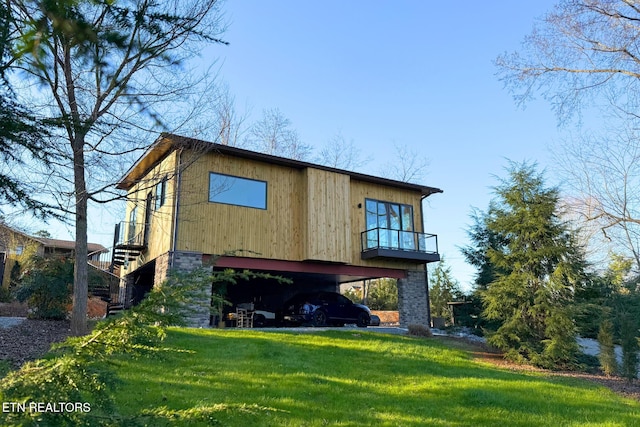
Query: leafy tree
[443, 289]
[377, 294]
[537, 267]
[383, 294]
[106, 70]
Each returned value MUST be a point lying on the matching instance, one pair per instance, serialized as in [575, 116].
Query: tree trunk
[80, 279]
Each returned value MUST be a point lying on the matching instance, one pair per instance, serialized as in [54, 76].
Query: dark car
[325, 308]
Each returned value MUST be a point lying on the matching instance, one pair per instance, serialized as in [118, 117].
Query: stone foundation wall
[183, 261]
[413, 301]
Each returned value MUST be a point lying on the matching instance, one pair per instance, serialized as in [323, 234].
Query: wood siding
[215, 228]
[161, 219]
[360, 191]
[312, 214]
[327, 235]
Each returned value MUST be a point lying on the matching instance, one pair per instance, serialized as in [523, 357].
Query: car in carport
[325, 309]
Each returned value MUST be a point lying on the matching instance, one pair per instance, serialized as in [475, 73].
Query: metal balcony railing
[399, 244]
[130, 235]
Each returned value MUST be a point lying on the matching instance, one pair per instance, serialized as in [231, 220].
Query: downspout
[426, 271]
[176, 207]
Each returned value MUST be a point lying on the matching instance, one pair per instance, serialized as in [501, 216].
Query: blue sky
[412, 72]
[419, 73]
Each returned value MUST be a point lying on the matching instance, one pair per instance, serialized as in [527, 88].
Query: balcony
[130, 240]
[399, 245]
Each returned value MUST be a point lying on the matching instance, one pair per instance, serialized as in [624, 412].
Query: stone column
[413, 303]
[185, 261]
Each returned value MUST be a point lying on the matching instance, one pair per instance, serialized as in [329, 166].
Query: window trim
[266, 191]
[161, 198]
[400, 216]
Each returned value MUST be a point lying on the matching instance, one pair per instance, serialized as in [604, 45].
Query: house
[192, 201]
[16, 246]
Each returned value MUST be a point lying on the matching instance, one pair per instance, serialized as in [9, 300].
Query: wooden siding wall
[161, 225]
[327, 226]
[215, 228]
[360, 191]
[311, 214]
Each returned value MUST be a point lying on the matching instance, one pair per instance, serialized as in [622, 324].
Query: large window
[233, 190]
[389, 225]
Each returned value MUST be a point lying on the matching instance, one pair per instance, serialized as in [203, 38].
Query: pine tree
[629, 341]
[20, 131]
[444, 288]
[537, 266]
[607, 354]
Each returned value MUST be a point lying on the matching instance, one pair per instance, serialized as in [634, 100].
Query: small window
[19, 250]
[161, 193]
[233, 190]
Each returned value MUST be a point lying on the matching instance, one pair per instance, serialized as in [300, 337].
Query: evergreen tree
[536, 265]
[629, 343]
[20, 132]
[443, 288]
[607, 354]
[383, 294]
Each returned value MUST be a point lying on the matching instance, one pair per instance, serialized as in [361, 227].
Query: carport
[305, 276]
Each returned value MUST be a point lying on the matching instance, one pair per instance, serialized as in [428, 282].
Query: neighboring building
[16, 246]
[190, 201]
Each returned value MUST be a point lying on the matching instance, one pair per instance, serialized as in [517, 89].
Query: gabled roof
[167, 142]
[55, 243]
[69, 245]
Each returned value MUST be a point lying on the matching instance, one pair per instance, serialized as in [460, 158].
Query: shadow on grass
[348, 378]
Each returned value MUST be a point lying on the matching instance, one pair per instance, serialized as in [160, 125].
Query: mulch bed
[31, 339]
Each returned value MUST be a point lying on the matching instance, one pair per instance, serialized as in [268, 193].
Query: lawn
[347, 378]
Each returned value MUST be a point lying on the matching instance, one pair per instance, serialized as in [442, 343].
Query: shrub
[5, 294]
[47, 288]
[419, 330]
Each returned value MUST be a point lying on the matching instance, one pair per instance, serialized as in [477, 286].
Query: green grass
[347, 378]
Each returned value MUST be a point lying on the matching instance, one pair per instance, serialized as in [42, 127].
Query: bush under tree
[47, 288]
